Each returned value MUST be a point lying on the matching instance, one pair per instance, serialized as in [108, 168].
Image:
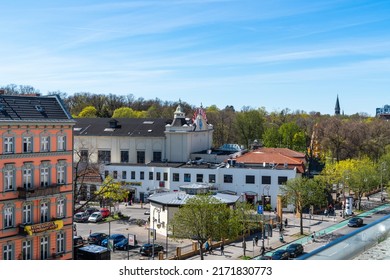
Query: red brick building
[36, 194]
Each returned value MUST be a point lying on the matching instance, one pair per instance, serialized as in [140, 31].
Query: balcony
[39, 191]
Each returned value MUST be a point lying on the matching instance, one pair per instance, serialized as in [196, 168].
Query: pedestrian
[244, 246]
[256, 239]
[326, 213]
[285, 222]
[207, 246]
[222, 249]
[313, 236]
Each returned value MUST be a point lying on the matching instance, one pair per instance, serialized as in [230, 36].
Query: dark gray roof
[120, 127]
[32, 108]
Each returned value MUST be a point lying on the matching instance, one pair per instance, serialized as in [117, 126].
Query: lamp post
[263, 221]
[154, 231]
[383, 168]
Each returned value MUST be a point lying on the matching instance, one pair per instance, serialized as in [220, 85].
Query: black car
[280, 255]
[96, 238]
[147, 249]
[78, 241]
[295, 250]
[355, 222]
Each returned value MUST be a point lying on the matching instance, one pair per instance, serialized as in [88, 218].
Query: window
[27, 214]
[187, 177]
[61, 174]
[45, 143]
[45, 212]
[150, 175]
[8, 145]
[27, 144]
[7, 251]
[27, 177]
[61, 143]
[132, 175]
[282, 180]
[27, 250]
[176, 177]
[228, 178]
[266, 180]
[44, 176]
[140, 156]
[142, 175]
[44, 252]
[165, 176]
[60, 242]
[106, 173]
[211, 178]
[8, 217]
[9, 178]
[84, 155]
[104, 156]
[249, 179]
[199, 178]
[124, 156]
[124, 175]
[115, 174]
[157, 156]
[158, 176]
[60, 208]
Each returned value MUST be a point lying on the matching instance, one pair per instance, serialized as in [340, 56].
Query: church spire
[337, 107]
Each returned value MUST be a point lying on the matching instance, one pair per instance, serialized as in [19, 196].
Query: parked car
[105, 212]
[280, 255]
[355, 222]
[147, 249]
[96, 238]
[115, 237]
[78, 241]
[147, 212]
[80, 217]
[95, 217]
[295, 250]
[124, 244]
[91, 210]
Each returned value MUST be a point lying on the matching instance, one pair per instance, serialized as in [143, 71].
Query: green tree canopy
[302, 193]
[88, 112]
[204, 217]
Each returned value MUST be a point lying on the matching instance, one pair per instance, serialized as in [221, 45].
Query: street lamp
[154, 231]
[383, 168]
[263, 221]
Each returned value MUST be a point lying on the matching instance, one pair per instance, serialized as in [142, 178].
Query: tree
[112, 190]
[302, 193]
[250, 125]
[88, 112]
[204, 217]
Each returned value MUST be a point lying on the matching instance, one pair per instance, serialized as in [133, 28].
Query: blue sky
[259, 53]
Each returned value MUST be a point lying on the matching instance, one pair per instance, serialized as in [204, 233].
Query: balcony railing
[39, 191]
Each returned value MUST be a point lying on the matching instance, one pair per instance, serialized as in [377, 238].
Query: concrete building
[36, 197]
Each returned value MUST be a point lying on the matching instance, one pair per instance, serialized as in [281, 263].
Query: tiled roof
[32, 108]
[124, 127]
[278, 157]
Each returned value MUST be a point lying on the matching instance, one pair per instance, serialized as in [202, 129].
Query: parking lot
[133, 213]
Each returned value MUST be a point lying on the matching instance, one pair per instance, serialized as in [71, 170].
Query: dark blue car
[115, 237]
[123, 244]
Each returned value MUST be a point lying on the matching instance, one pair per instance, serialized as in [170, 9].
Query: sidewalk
[291, 233]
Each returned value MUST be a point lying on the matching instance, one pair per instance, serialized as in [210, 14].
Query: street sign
[260, 209]
[131, 240]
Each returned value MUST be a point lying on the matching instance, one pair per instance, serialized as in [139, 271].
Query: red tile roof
[279, 157]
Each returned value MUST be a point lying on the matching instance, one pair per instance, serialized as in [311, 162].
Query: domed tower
[184, 137]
